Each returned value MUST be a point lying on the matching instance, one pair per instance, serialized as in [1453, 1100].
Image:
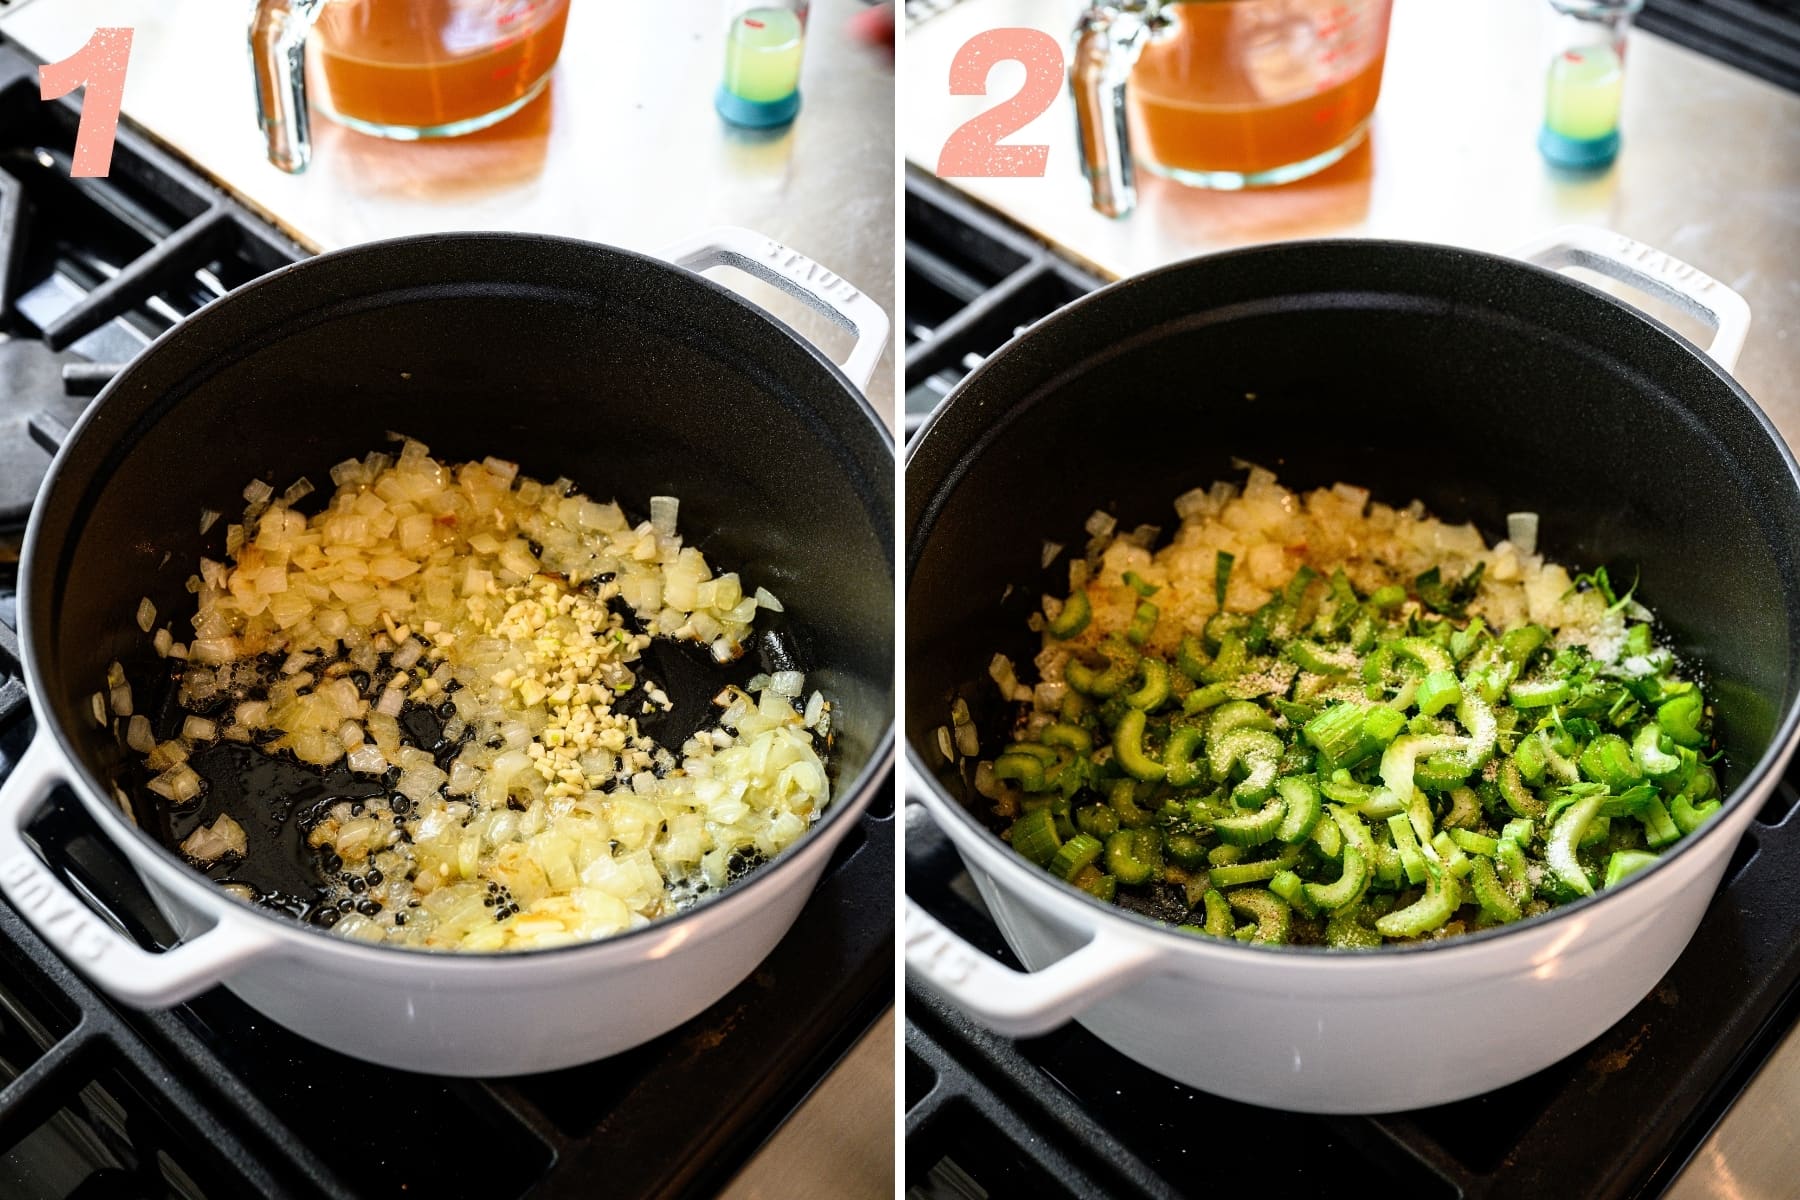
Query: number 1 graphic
[100, 66]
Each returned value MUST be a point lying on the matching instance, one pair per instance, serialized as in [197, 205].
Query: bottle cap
[756, 114]
[1579, 153]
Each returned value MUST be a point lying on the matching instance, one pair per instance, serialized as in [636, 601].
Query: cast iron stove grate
[1065, 1115]
[972, 282]
[1758, 36]
[92, 270]
[209, 1099]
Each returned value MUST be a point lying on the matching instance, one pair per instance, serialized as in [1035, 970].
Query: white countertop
[1709, 172]
[623, 148]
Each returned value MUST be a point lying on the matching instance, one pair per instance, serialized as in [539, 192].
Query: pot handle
[89, 943]
[823, 291]
[1020, 1003]
[1652, 271]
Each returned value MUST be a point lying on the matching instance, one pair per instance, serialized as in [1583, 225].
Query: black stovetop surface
[209, 1098]
[1065, 1115]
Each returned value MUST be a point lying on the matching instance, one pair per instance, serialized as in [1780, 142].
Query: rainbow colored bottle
[764, 44]
[1584, 87]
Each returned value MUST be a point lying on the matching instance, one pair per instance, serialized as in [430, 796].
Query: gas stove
[1065, 1115]
[91, 270]
[209, 1099]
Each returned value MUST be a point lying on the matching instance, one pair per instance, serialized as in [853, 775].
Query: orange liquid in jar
[421, 63]
[1228, 90]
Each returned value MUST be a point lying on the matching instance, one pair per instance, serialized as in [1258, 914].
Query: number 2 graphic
[975, 149]
[100, 65]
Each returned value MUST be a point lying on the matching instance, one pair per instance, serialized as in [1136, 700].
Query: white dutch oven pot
[1302, 1028]
[555, 353]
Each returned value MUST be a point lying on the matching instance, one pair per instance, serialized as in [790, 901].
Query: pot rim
[149, 855]
[1074, 903]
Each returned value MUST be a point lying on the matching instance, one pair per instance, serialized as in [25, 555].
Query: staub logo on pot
[949, 960]
[807, 271]
[60, 917]
[1660, 264]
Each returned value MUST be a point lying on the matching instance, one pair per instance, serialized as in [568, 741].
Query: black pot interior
[1473, 383]
[629, 377]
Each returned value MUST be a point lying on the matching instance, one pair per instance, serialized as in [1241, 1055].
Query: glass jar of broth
[406, 69]
[1223, 93]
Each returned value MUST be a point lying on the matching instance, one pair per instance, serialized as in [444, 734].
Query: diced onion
[366, 759]
[167, 754]
[1522, 531]
[210, 843]
[179, 785]
[146, 614]
[213, 650]
[968, 739]
[463, 778]
[1001, 670]
[662, 514]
